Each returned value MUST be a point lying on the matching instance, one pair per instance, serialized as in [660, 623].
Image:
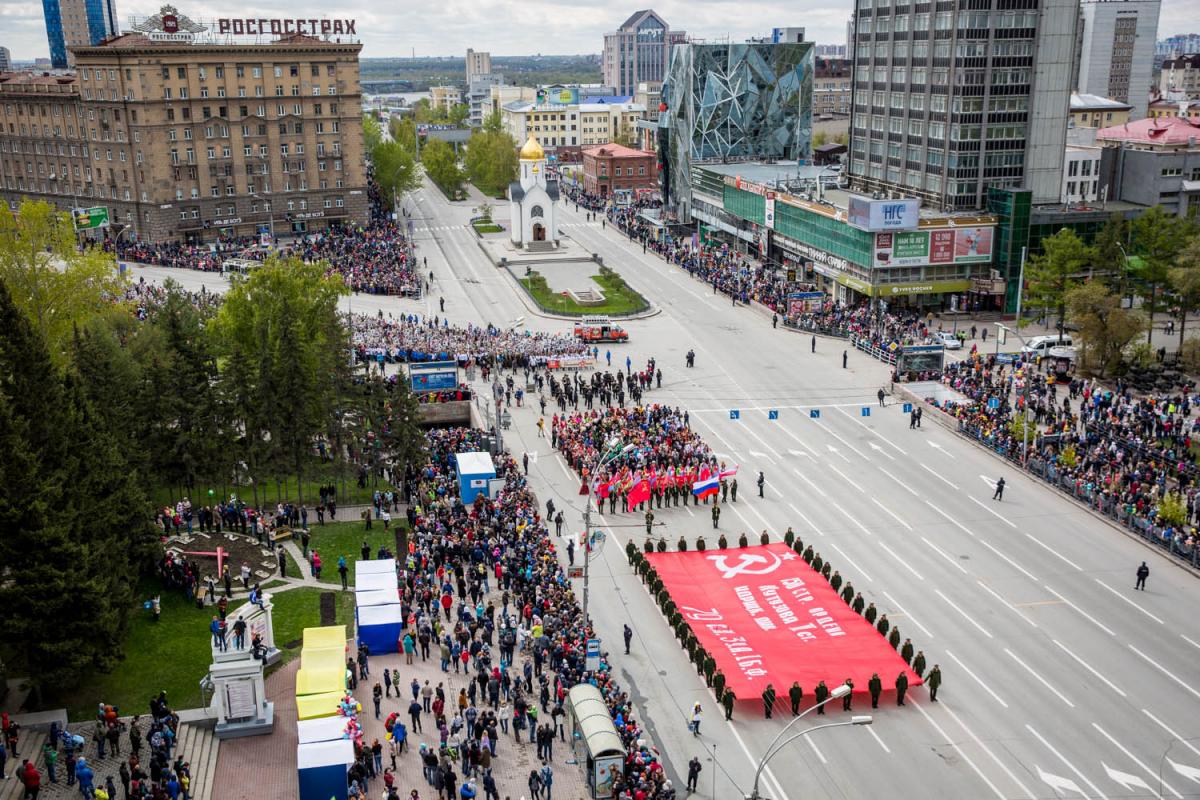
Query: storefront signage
[748, 186]
[769, 211]
[883, 215]
[819, 256]
[309, 215]
[971, 245]
[930, 287]
[286, 27]
[225, 223]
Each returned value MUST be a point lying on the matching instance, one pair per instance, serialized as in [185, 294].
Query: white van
[1040, 345]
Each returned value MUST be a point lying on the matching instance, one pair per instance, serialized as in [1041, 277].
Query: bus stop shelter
[593, 733]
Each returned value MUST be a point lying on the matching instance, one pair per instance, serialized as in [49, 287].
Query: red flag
[602, 488]
[640, 492]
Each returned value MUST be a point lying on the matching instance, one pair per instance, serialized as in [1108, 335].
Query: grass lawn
[619, 298]
[271, 492]
[174, 654]
[487, 227]
[345, 539]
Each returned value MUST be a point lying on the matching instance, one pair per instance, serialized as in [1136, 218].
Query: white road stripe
[816, 488]
[767, 774]
[825, 428]
[952, 520]
[845, 477]
[1092, 619]
[1130, 602]
[907, 615]
[1179, 738]
[1165, 671]
[964, 614]
[993, 513]
[891, 513]
[1069, 765]
[807, 521]
[850, 561]
[903, 563]
[937, 475]
[953, 743]
[1154, 776]
[953, 561]
[1042, 680]
[871, 730]
[1089, 668]
[873, 431]
[987, 750]
[1054, 552]
[1015, 610]
[904, 485]
[1192, 642]
[1028, 574]
[815, 749]
[848, 516]
[978, 680]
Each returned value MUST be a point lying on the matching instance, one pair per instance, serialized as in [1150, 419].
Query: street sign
[735, 413]
[574, 572]
[866, 411]
[87, 219]
[592, 662]
[908, 408]
[773, 413]
[814, 413]
[993, 403]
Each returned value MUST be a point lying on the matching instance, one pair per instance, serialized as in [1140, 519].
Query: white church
[532, 200]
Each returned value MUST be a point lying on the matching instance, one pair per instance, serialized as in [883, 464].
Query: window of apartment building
[332, 89]
[1171, 172]
[256, 72]
[278, 72]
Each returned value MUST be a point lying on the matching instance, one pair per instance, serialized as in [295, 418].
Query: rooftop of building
[1095, 102]
[1154, 131]
[636, 16]
[140, 41]
[606, 98]
[524, 106]
[27, 78]
[1185, 60]
[614, 150]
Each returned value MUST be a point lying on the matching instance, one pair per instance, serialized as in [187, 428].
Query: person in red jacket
[31, 779]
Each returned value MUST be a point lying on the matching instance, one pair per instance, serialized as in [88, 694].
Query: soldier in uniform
[727, 701]
[822, 694]
[710, 665]
[724, 491]
[875, 687]
[808, 555]
[894, 639]
[818, 562]
[848, 593]
[718, 683]
[918, 664]
[649, 521]
[858, 603]
[795, 694]
[934, 681]
[733, 490]
[825, 570]
[906, 652]
[768, 698]
[870, 613]
[884, 626]
[835, 582]
[901, 688]
[848, 695]
[716, 515]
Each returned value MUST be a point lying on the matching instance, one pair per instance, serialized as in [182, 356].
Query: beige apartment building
[190, 141]
[563, 129]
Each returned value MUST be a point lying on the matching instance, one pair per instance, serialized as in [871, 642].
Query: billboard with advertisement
[87, 219]
[434, 376]
[969, 245]
[883, 215]
[558, 95]
[799, 303]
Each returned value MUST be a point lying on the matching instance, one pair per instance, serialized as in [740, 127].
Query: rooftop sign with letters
[883, 215]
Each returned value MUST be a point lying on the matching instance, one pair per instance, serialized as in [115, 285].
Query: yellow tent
[323, 658]
[320, 681]
[332, 636]
[313, 706]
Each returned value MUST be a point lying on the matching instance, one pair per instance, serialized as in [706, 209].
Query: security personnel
[901, 688]
[906, 652]
[727, 701]
[870, 613]
[894, 639]
[884, 626]
[762, 481]
[821, 693]
[934, 681]
[649, 521]
[835, 581]
[716, 515]
[848, 695]
[733, 490]
[795, 694]
[858, 603]
[918, 664]
[768, 698]
[875, 687]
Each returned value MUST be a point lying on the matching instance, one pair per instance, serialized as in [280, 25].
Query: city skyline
[501, 26]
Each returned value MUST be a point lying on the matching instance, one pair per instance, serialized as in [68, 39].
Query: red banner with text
[768, 617]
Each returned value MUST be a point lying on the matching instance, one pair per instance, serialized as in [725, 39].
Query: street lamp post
[840, 690]
[1025, 392]
[858, 719]
[612, 455]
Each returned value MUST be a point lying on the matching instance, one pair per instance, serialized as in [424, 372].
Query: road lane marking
[815, 749]
[1028, 574]
[978, 680]
[799, 441]
[964, 614]
[1089, 668]
[816, 488]
[872, 431]
[848, 516]
[1015, 610]
[1153, 775]
[935, 474]
[1043, 681]
[937, 446]
[563, 467]
[886, 749]
[1130, 602]
[1092, 619]
[1186, 743]
[952, 520]
[905, 486]
[845, 477]
[953, 743]
[881, 451]
[825, 428]
[1054, 552]
[754, 762]
[903, 563]
[1069, 765]
[993, 513]
[807, 521]
[1165, 671]
[1192, 642]
[953, 561]
[987, 750]
[851, 562]
[891, 513]
[907, 615]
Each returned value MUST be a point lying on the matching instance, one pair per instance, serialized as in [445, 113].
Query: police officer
[628, 638]
[918, 664]
[999, 494]
[1143, 572]
[901, 688]
[934, 681]
[768, 698]
[906, 652]
[733, 490]
[649, 521]
[716, 515]
[762, 481]
[848, 695]
[875, 687]
[795, 695]
[821, 693]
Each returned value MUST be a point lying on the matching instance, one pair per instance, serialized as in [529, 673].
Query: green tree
[458, 114]
[441, 165]
[491, 161]
[1054, 271]
[1158, 237]
[820, 138]
[1108, 253]
[55, 284]
[404, 133]
[372, 132]
[1172, 509]
[1184, 279]
[1105, 329]
[492, 123]
[396, 170]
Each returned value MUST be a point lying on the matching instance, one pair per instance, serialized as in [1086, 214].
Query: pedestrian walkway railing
[873, 350]
[1172, 540]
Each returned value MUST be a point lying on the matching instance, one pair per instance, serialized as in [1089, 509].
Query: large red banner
[768, 617]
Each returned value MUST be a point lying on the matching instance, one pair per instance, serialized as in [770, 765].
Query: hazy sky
[504, 27]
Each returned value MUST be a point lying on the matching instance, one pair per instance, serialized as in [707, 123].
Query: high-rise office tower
[77, 22]
[1116, 50]
[5, 59]
[638, 51]
[949, 102]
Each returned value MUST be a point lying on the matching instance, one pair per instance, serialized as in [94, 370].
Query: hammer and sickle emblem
[747, 564]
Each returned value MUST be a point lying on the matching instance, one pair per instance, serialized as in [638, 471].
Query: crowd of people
[412, 339]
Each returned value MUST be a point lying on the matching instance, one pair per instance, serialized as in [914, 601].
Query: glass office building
[71, 23]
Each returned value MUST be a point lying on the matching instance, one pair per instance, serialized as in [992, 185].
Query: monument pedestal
[239, 699]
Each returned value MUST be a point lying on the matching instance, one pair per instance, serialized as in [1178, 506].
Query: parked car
[947, 340]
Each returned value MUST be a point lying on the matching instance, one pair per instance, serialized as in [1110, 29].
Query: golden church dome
[532, 151]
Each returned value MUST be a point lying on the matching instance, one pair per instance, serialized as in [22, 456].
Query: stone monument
[239, 695]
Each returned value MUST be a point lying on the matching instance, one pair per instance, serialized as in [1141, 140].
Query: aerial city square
[568, 402]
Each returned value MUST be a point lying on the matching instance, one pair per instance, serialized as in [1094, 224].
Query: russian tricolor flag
[729, 473]
[709, 486]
